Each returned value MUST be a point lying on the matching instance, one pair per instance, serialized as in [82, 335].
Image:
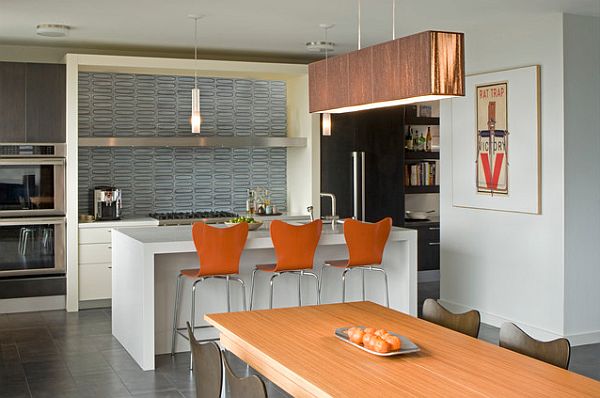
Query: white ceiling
[254, 26]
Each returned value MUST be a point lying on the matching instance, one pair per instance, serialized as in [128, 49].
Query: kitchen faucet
[334, 216]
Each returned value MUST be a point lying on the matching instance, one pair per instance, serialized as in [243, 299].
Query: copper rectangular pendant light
[422, 67]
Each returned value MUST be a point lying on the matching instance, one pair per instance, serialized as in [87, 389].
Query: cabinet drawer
[95, 281]
[94, 235]
[99, 253]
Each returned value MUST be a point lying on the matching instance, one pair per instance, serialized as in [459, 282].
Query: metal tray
[407, 345]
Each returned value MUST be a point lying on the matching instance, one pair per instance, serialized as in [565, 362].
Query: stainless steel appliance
[32, 209]
[362, 164]
[107, 203]
[32, 246]
[358, 185]
[32, 180]
[188, 218]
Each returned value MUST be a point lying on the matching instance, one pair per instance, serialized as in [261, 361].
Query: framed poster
[492, 138]
[495, 142]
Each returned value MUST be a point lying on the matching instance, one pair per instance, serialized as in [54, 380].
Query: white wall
[509, 266]
[582, 174]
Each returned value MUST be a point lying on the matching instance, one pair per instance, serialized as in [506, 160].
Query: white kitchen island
[146, 262]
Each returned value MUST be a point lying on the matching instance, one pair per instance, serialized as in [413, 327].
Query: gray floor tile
[120, 360]
[140, 382]
[87, 363]
[163, 394]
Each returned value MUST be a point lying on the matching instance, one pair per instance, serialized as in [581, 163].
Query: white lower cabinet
[95, 257]
[95, 264]
[95, 281]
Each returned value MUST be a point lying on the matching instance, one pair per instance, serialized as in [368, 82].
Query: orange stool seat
[266, 267]
[366, 243]
[295, 247]
[219, 251]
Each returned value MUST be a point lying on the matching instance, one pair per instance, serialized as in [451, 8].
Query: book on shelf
[421, 174]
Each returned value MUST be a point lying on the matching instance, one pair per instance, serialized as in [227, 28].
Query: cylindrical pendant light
[326, 117]
[196, 119]
[326, 124]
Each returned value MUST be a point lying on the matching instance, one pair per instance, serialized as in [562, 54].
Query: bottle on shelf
[428, 140]
[250, 203]
[421, 142]
[408, 142]
[415, 138]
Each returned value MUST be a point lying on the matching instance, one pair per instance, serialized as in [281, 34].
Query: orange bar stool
[295, 247]
[219, 251]
[366, 242]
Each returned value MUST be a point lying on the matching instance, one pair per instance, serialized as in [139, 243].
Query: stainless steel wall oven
[32, 209]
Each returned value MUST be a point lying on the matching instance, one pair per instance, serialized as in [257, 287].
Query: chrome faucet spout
[310, 213]
[333, 207]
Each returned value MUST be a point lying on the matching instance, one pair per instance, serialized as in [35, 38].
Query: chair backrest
[467, 323]
[245, 387]
[295, 245]
[556, 352]
[219, 249]
[366, 241]
[208, 371]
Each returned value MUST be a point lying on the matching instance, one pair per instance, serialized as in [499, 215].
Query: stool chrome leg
[193, 315]
[176, 313]
[300, 288]
[243, 294]
[320, 280]
[362, 271]
[346, 270]
[252, 288]
[271, 289]
[313, 275]
[228, 294]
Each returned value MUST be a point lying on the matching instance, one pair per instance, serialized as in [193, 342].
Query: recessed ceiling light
[52, 30]
[320, 46]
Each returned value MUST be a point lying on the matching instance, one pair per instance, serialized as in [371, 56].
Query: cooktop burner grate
[190, 217]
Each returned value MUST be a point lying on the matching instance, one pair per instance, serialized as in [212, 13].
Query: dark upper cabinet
[46, 103]
[13, 85]
[32, 102]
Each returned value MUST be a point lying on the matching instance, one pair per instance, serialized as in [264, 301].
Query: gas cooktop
[190, 217]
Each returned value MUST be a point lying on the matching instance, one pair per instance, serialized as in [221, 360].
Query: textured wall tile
[180, 179]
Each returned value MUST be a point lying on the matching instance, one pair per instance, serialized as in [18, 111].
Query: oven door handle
[32, 161]
[32, 221]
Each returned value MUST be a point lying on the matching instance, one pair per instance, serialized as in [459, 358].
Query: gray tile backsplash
[180, 179]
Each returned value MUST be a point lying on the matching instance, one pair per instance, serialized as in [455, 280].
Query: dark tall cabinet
[32, 102]
[378, 134]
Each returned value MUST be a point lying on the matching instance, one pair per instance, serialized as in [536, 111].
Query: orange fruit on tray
[378, 340]
[394, 342]
[357, 336]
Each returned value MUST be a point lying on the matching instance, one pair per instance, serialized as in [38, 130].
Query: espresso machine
[107, 203]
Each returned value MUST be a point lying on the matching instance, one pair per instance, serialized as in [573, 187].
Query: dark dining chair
[556, 352]
[243, 387]
[208, 369]
[466, 323]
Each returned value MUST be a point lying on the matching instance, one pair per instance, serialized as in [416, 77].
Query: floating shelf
[421, 121]
[421, 155]
[422, 189]
[193, 141]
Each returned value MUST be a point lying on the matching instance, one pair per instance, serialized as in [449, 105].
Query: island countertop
[146, 261]
[177, 234]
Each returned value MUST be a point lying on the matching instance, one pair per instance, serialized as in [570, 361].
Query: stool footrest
[183, 331]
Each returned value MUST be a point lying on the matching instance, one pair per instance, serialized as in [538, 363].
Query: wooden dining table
[296, 348]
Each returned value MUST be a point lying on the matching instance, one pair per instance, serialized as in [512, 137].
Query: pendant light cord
[393, 19]
[196, 52]
[359, 1]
